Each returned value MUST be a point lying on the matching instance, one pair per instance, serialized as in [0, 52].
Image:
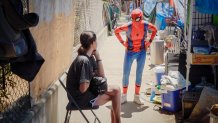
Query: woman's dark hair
[86, 39]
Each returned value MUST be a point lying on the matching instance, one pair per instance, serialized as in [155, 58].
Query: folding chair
[72, 105]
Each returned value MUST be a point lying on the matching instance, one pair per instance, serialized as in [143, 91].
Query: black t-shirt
[81, 70]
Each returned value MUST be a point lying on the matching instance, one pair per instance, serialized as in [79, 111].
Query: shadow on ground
[151, 66]
[129, 107]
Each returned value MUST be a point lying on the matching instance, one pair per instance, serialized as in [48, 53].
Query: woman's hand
[100, 70]
[96, 54]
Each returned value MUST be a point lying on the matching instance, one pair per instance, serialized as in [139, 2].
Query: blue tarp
[163, 10]
[148, 6]
[207, 6]
[160, 22]
[131, 7]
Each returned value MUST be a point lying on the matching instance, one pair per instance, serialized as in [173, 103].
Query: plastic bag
[98, 85]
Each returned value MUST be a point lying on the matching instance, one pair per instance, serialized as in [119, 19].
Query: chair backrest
[69, 95]
[72, 104]
[71, 98]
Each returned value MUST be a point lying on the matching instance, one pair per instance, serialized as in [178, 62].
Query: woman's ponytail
[81, 51]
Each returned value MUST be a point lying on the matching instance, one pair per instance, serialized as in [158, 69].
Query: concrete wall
[54, 36]
[54, 39]
[51, 107]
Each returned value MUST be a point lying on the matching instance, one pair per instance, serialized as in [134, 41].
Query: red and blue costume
[136, 44]
[136, 32]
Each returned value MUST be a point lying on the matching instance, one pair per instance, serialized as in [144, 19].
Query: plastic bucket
[157, 52]
[159, 71]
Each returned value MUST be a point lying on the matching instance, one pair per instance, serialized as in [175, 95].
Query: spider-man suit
[136, 33]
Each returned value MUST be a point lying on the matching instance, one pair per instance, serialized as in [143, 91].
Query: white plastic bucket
[157, 52]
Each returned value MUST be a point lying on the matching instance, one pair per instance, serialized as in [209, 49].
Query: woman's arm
[100, 72]
[84, 74]
[100, 68]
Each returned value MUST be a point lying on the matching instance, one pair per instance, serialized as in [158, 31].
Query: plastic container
[157, 52]
[159, 71]
[172, 100]
[152, 92]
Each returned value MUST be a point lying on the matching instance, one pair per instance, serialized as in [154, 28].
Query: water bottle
[152, 92]
[158, 87]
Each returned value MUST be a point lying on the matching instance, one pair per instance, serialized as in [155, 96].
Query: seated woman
[87, 64]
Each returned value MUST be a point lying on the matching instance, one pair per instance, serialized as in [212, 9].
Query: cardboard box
[202, 59]
[189, 100]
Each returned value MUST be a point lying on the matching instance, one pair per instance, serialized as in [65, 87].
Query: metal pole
[188, 59]
[185, 17]
[72, 99]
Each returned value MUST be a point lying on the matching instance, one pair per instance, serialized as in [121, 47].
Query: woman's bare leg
[116, 103]
[112, 94]
[112, 117]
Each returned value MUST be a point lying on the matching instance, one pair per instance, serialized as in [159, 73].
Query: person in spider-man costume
[136, 45]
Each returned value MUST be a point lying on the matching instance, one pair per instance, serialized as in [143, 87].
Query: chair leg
[67, 117]
[65, 121]
[96, 118]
